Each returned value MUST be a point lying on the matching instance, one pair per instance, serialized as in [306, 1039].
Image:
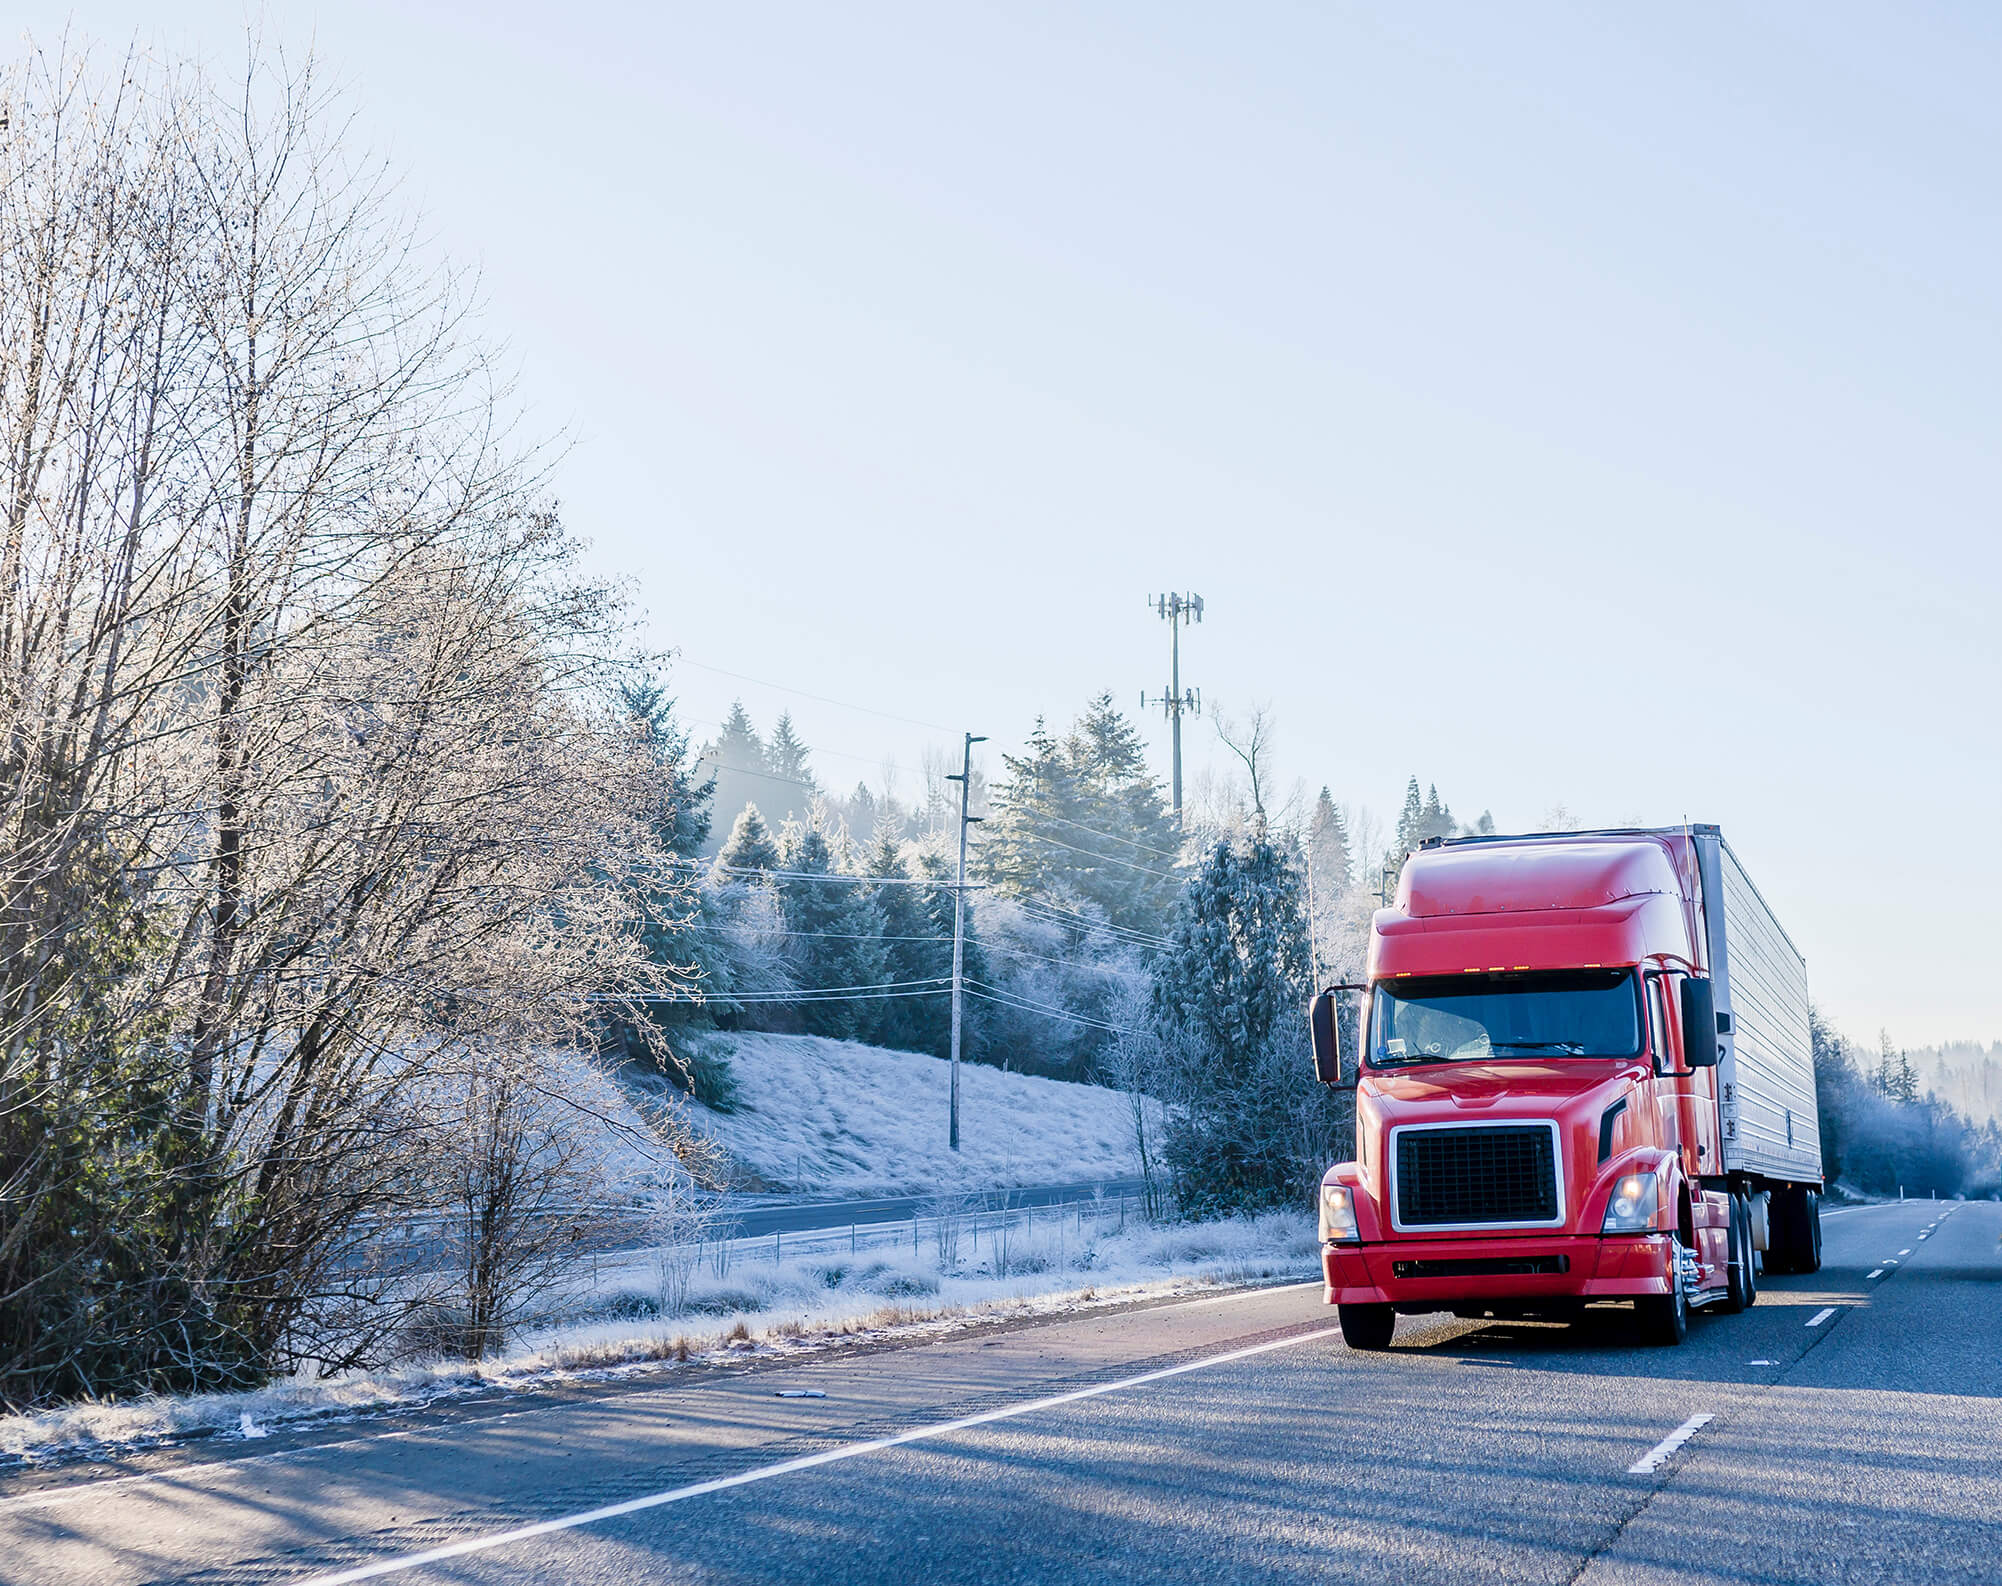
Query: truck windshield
[1471, 1018]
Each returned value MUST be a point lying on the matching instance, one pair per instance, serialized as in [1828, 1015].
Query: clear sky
[1592, 405]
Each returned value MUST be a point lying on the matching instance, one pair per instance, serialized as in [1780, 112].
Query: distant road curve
[748, 1222]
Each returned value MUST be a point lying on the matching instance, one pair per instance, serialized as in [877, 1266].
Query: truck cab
[1539, 1069]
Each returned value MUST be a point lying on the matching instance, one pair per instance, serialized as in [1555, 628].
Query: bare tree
[1250, 739]
[312, 791]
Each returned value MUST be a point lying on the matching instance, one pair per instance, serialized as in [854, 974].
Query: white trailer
[1765, 1075]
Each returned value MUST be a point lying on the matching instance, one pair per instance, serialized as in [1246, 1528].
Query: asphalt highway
[751, 1218]
[1848, 1428]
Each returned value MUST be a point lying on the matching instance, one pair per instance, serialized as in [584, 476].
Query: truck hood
[1536, 1086]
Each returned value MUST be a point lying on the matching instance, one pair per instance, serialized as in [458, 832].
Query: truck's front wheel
[1367, 1326]
[1664, 1318]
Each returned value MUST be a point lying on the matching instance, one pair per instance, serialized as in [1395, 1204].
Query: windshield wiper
[1572, 1048]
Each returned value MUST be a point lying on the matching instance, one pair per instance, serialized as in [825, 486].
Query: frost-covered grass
[816, 1114]
[772, 1310]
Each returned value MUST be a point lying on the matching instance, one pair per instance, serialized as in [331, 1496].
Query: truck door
[1667, 1064]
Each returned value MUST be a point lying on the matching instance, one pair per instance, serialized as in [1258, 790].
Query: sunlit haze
[1599, 414]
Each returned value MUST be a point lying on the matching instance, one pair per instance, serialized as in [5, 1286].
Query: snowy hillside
[824, 1115]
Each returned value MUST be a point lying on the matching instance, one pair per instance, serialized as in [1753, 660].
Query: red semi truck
[1582, 1073]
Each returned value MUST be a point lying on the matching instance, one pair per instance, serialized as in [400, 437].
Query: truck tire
[1367, 1326]
[1664, 1318]
[1741, 1286]
[1796, 1231]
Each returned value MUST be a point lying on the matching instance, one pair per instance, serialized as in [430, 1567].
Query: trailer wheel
[1811, 1246]
[1796, 1229]
[1741, 1287]
[1367, 1326]
[1664, 1318]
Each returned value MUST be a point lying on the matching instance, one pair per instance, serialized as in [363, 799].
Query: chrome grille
[1501, 1174]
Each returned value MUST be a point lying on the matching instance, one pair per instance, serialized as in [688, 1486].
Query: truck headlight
[1338, 1213]
[1632, 1208]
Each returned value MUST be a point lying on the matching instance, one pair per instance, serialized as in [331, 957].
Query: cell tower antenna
[1176, 611]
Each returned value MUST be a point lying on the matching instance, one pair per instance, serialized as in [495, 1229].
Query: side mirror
[1699, 1024]
[1327, 1033]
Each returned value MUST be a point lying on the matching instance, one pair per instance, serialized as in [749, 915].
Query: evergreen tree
[682, 816]
[785, 758]
[750, 846]
[836, 936]
[861, 814]
[1246, 1129]
[1083, 818]
[1328, 847]
[675, 926]
[911, 952]
[1411, 819]
[735, 763]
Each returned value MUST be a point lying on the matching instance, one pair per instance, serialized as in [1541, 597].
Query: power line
[1104, 858]
[821, 875]
[836, 936]
[1044, 958]
[1048, 1013]
[867, 710]
[1044, 815]
[866, 936]
[933, 986]
[1034, 905]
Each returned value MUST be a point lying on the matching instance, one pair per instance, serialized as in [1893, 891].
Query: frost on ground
[827, 1115]
[807, 1303]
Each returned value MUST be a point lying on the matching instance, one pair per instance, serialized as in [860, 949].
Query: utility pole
[1176, 610]
[965, 781]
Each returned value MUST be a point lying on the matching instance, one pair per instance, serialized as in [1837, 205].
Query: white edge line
[82, 1490]
[786, 1467]
[1820, 1316]
[1655, 1457]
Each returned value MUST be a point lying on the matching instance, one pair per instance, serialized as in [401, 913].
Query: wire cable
[867, 710]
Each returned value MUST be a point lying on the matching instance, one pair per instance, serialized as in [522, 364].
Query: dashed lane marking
[1820, 1316]
[1877, 1273]
[1660, 1454]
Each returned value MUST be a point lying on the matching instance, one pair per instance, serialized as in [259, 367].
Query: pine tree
[675, 927]
[1905, 1080]
[1328, 847]
[1229, 998]
[785, 759]
[735, 763]
[750, 845]
[911, 952]
[1411, 819]
[1083, 818]
[836, 936]
[683, 815]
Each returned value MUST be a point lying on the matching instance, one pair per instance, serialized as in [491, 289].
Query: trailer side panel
[1766, 1076]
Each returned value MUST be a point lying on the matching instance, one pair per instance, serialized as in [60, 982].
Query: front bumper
[1440, 1274]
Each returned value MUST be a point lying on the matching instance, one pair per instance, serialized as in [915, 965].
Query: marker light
[1632, 1208]
[1338, 1213]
